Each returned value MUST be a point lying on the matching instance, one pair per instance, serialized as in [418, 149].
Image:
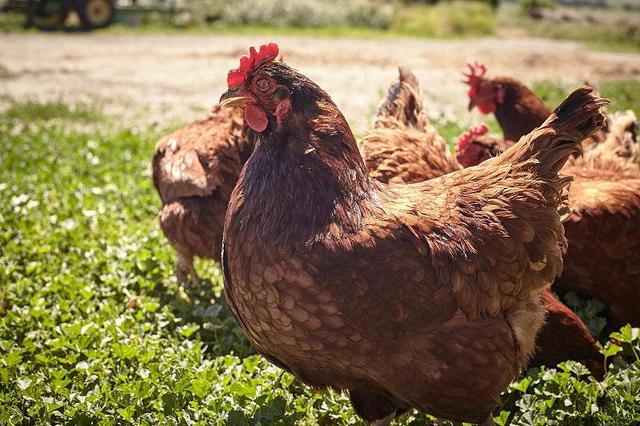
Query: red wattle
[486, 108]
[256, 118]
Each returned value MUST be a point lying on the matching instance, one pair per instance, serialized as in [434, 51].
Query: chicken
[474, 146]
[395, 158]
[517, 109]
[194, 170]
[603, 259]
[419, 296]
[403, 108]
[564, 337]
[403, 146]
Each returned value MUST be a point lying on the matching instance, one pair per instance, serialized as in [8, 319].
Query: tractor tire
[95, 13]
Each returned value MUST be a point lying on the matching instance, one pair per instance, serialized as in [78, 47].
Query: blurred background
[410, 17]
[166, 60]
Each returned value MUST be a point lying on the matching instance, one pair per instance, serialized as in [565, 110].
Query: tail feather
[403, 104]
[581, 110]
[549, 146]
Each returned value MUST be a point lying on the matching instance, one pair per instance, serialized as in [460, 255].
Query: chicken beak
[472, 104]
[231, 98]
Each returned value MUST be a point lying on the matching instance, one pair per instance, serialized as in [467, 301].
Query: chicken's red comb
[267, 53]
[475, 74]
[465, 139]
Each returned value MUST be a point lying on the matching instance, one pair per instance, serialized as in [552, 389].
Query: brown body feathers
[194, 170]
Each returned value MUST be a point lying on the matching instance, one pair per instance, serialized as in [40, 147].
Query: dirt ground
[165, 78]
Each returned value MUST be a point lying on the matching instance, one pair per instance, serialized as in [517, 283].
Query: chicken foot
[184, 269]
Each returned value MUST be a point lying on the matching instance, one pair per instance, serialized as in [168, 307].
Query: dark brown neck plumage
[521, 112]
[305, 179]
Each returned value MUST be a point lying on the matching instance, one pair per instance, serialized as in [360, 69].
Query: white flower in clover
[89, 213]
[31, 204]
[24, 384]
[18, 200]
[93, 159]
[47, 399]
[85, 328]
[82, 365]
[69, 224]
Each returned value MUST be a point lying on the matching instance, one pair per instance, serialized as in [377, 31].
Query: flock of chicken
[390, 268]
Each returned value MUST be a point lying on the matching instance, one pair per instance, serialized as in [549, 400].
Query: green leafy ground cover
[624, 94]
[94, 328]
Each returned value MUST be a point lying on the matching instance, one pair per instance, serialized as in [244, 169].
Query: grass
[625, 94]
[451, 130]
[607, 35]
[94, 328]
[11, 22]
[33, 111]
[446, 19]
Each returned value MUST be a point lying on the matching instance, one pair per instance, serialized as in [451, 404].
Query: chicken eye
[263, 85]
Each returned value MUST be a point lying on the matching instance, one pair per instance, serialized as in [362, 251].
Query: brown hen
[194, 170]
[564, 336]
[424, 295]
[603, 259]
[474, 146]
[403, 146]
[517, 109]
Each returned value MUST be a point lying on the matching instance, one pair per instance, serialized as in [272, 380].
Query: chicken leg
[185, 268]
[488, 421]
[384, 422]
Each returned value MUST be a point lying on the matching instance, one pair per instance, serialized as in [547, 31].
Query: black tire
[95, 13]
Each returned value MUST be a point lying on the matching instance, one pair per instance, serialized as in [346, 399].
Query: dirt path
[169, 77]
